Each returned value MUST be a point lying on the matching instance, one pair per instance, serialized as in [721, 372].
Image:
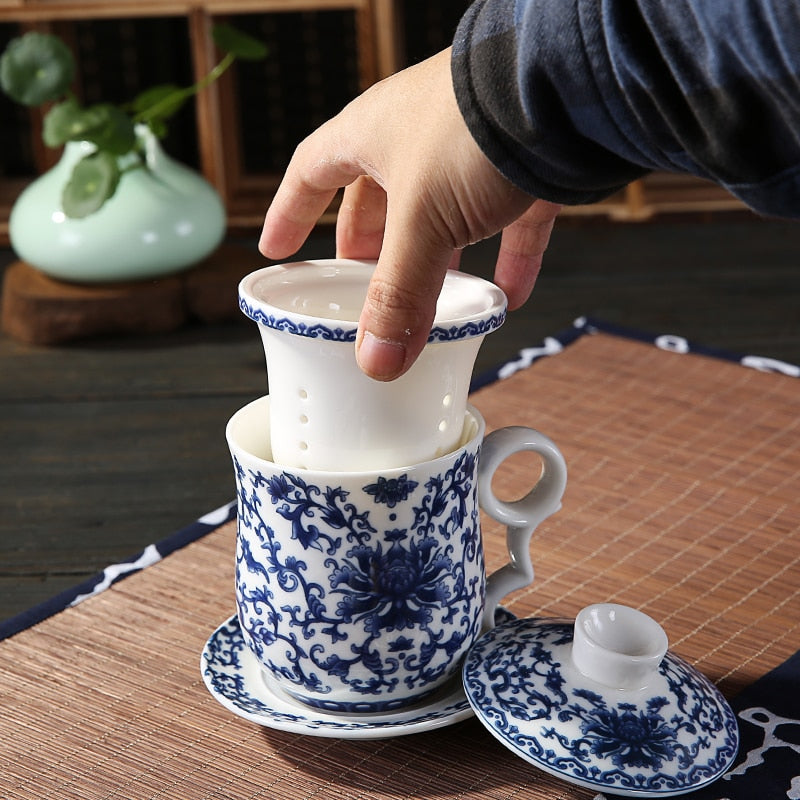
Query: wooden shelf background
[240, 132]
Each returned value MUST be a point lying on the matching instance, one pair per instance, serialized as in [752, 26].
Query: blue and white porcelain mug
[362, 591]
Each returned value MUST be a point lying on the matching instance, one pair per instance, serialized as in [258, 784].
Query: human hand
[418, 189]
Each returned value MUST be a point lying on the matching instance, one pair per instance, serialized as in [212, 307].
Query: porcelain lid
[600, 702]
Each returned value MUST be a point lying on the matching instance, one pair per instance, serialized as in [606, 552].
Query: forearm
[572, 99]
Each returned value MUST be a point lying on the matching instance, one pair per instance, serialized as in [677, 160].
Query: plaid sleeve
[573, 99]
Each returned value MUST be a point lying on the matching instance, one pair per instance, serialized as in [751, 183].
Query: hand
[418, 190]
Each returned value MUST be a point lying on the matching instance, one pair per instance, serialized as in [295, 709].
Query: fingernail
[382, 359]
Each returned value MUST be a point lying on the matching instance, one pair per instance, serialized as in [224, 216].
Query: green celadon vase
[163, 218]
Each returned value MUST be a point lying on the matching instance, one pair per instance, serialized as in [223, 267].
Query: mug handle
[522, 516]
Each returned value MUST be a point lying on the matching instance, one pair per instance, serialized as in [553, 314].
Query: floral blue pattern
[363, 597]
[468, 329]
[347, 333]
[315, 330]
[678, 735]
[391, 491]
[233, 677]
[627, 735]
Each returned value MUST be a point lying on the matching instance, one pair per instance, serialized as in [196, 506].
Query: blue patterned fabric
[553, 345]
[116, 572]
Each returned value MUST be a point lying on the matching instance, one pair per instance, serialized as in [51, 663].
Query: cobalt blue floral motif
[394, 590]
[335, 594]
[347, 333]
[314, 331]
[680, 737]
[228, 674]
[222, 668]
[629, 736]
[467, 330]
[391, 491]
[299, 503]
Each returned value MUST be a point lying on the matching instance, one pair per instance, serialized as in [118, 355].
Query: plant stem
[215, 73]
[167, 102]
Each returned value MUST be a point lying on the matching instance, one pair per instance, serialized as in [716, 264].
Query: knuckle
[397, 304]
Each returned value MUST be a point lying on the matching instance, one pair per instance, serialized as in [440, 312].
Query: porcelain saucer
[235, 679]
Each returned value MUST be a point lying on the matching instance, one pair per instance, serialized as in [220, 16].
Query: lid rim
[457, 327]
[587, 784]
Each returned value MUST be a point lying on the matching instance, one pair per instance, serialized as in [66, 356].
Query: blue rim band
[319, 330]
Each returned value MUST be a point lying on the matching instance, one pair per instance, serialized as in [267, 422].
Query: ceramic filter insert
[325, 413]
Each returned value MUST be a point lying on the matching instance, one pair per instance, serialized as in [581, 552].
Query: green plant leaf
[239, 44]
[158, 128]
[60, 122]
[105, 125]
[159, 102]
[36, 68]
[114, 131]
[93, 181]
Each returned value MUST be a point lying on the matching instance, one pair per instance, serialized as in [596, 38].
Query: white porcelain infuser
[326, 413]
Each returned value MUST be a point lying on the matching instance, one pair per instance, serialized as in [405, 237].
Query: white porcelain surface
[326, 414]
[521, 516]
[362, 591]
[618, 646]
[674, 735]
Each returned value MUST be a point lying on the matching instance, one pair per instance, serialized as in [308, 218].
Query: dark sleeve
[573, 99]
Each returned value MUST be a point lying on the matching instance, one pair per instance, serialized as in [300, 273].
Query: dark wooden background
[108, 445]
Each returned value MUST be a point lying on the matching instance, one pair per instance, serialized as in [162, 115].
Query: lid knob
[617, 646]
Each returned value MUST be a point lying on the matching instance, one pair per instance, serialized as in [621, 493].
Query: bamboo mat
[682, 501]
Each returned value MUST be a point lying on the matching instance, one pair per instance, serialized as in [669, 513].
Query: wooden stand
[37, 309]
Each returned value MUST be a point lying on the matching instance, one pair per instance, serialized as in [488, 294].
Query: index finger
[314, 175]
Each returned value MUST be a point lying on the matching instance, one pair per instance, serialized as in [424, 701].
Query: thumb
[400, 306]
